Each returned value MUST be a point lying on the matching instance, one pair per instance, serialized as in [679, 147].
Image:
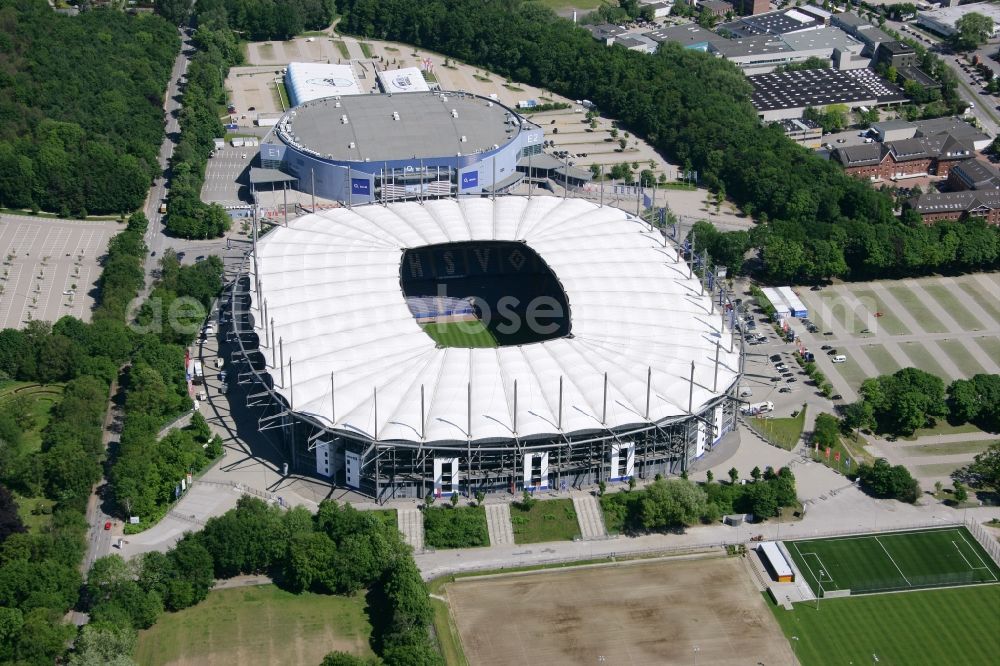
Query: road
[99, 540]
[985, 104]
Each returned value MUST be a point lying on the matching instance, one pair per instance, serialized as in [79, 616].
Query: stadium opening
[484, 294]
[633, 373]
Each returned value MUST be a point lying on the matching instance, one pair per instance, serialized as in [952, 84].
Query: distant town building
[938, 206]
[942, 21]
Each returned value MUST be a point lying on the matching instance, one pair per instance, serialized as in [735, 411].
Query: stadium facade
[633, 375]
[361, 148]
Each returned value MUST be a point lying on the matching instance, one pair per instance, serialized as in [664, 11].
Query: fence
[985, 539]
[614, 550]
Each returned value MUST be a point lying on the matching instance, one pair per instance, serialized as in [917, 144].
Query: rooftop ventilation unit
[454, 113]
[351, 145]
[336, 105]
[395, 115]
[343, 119]
[463, 139]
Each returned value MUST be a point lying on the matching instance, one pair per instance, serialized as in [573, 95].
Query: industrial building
[942, 21]
[787, 95]
[633, 382]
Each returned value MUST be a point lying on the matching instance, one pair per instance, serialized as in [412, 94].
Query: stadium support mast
[468, 415]
[385, 184]
[420, 184]
[604, 403]
[264, 323]
[274, 347]
[565, 177]
[375, 410]
[715, 380]
[559, 418]
[284, 196]
[649, 387]
[281, 359]
[423, 420]
[515, 408]
[333, 401]
[531, 182]
[652, 211]
[291, 386]
[313, 188]
[638, 199]
[691, 391]
[601, 204]
[494, 188]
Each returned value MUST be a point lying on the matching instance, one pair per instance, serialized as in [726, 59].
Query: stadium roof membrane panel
[332, 285]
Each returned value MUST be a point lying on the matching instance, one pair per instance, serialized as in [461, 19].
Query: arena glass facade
[409, 169]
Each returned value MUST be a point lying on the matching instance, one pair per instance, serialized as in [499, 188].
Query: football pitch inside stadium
[893, 561]
[463, 334]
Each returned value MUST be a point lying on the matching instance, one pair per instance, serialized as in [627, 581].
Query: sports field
[925, 628]
[464, 334]
[893, 561]
[258, 625]
[703, 611]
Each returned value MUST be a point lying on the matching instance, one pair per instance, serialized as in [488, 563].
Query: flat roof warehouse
[387, 127]
[821, 87]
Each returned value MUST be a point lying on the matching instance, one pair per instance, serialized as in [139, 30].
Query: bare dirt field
[666, 612]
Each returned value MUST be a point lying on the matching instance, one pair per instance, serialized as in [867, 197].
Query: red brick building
[751, 7]
[938, 206]
[906, 158]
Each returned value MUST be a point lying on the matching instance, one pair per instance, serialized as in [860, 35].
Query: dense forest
[270, 19]
[81, 107]
[816, 222]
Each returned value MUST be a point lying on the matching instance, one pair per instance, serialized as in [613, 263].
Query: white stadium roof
[307, 81]
[331, 281]
[407, 79]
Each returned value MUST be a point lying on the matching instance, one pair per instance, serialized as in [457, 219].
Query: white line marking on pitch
[894, 562]
[978, 556]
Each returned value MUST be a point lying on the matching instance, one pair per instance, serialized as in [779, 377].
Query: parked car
[784, 389]
[832, 352]
[107, 525]
[826, 347]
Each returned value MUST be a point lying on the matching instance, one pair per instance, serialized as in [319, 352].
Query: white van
[839, 358]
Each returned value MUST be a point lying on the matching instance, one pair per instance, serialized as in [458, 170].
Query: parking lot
[50, 267]
[227, 176]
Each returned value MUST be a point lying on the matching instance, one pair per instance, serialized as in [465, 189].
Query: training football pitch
[928, 627]
[893, 561]
[463, 334]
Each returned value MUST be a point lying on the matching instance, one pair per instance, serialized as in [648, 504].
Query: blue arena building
[365, 148]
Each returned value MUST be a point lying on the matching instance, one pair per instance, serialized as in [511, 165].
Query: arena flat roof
[426, 126]
[407, 79]
[820, 87]
[311, 80]
[332, 285]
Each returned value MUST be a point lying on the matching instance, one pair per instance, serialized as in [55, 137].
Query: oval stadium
[459, 345]
[361, 148]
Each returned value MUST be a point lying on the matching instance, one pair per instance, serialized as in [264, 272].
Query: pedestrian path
[411, 524]
[589, 515]
[499, 525]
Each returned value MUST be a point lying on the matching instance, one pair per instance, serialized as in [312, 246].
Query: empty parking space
[50, 267]
[947, 300]
[960, 355]
[915, 308]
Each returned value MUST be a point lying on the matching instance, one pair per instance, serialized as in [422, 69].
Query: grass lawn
[954, 626]
[954, 448]
[784, 432]
[26, 507]
[975, 291]
[887, 323]
[429, 77]
[455, 527]
[43, 398]
[943, 428]
[342, 47]
[958, 312]
[990, 345]
[283, 100]
[480, 77]
[266, 52]
[960, 356]
[258, 625]
[366, 49]
[915, 306]
[883, 360]
[465, 334]
[937, 469]
[387, 516]
[556, 5]
[546, 520]
[923, 359]
[893, 561]
[851, 454]
[852, 373]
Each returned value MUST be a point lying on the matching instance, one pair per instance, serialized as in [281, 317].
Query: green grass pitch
[464, 334]
[893, 561]
[929, 627]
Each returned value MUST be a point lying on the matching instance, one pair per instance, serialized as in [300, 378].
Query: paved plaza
[50, 267]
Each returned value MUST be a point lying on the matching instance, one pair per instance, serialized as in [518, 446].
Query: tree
[672, 503]
[761, 500]
[984, 470]
[960, 493]
[308, 562]
[344, 659]
[98, 645]
[826, 430]
[755, 474]
[973, 29]
[709, 477]
[734, 475]
[10, 521]
[883, 480]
